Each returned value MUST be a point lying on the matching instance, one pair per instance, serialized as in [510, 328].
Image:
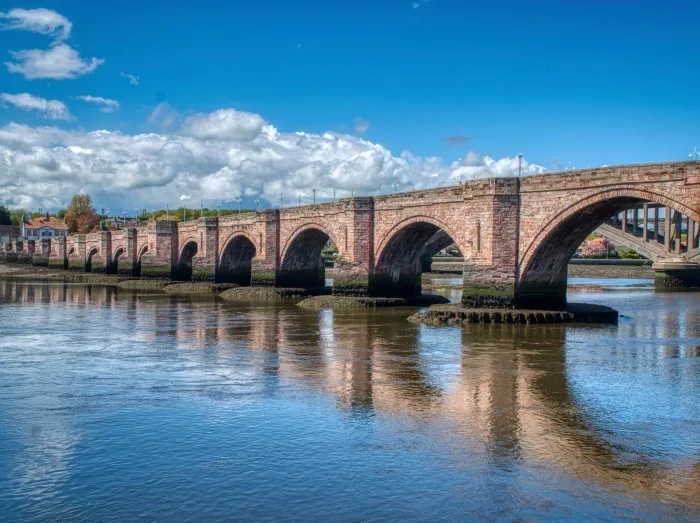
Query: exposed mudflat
[197, 288]
[362, 302]
[262, 293]
[149, 285]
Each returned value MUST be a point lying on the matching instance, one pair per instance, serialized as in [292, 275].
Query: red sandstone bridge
[516, 235]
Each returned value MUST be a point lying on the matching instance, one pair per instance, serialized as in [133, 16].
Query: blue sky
[581, 82]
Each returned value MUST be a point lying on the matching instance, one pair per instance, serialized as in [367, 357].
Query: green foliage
[17, 215]
[5, 216]
[629, 254]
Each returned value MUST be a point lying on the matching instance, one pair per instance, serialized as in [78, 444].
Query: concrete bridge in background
[516, 235]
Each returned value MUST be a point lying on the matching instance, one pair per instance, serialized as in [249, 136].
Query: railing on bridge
[664, 230]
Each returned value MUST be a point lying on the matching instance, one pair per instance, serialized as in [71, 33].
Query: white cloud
[59, 62]
[51, 109]
[224, 124]
[42, 21]
[218, 156]
[107, 104]
[133, 80]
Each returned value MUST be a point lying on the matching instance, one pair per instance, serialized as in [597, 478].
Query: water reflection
[613, 407]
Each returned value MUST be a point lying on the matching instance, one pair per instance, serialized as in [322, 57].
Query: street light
[299, 198]
[257, 204]
[167, 211]
[520, 164]
[201, 209]
[281, 200]
[218, 209]
[334, 193]
[694, 154]
[314, 191]
[239, 200]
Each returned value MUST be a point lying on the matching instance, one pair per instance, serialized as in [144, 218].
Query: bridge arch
[542, 270]
[118, 252]
[184, 260]
[402, 251]
[236, 259]
[88, 259]
[301, 263]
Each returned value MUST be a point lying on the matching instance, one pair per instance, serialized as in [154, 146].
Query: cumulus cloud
[223, 155]
[107, 105]
[224, 124]
[50, 109]
[59, 62]
[133, 80]
[42, 21]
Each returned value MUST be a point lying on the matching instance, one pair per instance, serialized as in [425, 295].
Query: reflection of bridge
[654, 231]
[516, 235]
[508, 391]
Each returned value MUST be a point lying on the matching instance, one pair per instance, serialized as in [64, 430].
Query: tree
[18, 215]
[81, 216]
[5, 217]
[595, 248]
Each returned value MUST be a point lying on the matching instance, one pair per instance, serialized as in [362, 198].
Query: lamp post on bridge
[314, 191]
[694, 154]
[520, 163]
[257, 204]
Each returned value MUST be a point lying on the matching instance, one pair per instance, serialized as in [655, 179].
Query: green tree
[81, 216]
[5, 216]
[18, 215]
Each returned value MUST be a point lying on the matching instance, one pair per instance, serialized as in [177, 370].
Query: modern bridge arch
[184, 260]
[301, 263]
[397, 270]
[542, 271]
[236, 259]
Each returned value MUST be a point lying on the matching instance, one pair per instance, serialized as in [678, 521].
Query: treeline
[81, 216]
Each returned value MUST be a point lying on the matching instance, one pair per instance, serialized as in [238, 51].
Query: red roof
[53, 223]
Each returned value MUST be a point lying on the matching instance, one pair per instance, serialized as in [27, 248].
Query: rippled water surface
[122, 406]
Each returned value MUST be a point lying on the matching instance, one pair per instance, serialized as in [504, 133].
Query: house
[10, 233]
[44, 227]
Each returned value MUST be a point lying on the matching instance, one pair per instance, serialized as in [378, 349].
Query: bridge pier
[77, 258]
[263, 267]
[57, 258]
[672, 274]
[99, 261]
[352, 269]
[159, 260]
[40, 258]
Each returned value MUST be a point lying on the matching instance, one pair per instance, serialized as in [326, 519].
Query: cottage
[44, 227]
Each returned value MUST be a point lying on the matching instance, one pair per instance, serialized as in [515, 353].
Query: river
[120, 406]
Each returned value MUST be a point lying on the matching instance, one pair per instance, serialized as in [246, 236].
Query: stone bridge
[516, 235]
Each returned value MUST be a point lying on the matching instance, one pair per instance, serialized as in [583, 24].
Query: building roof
[52, 223]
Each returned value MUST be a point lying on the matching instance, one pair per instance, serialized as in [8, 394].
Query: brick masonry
[516, 236]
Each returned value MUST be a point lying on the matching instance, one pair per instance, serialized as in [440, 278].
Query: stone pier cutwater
[516, 235]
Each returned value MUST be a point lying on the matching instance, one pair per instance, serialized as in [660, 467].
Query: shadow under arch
[137, 265]
[115, 260]
[302, 264]
[543, 270]
[403, 256]
[183, 271]
[88, 260]
[236, 261]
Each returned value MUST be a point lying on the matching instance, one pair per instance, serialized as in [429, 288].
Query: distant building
[44, 227]
[10, 233]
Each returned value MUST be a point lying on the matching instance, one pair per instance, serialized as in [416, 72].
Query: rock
[197, 288]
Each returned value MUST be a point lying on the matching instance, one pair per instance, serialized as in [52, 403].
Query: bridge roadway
[516, 235]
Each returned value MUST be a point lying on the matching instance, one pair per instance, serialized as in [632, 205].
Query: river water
[120, 406]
